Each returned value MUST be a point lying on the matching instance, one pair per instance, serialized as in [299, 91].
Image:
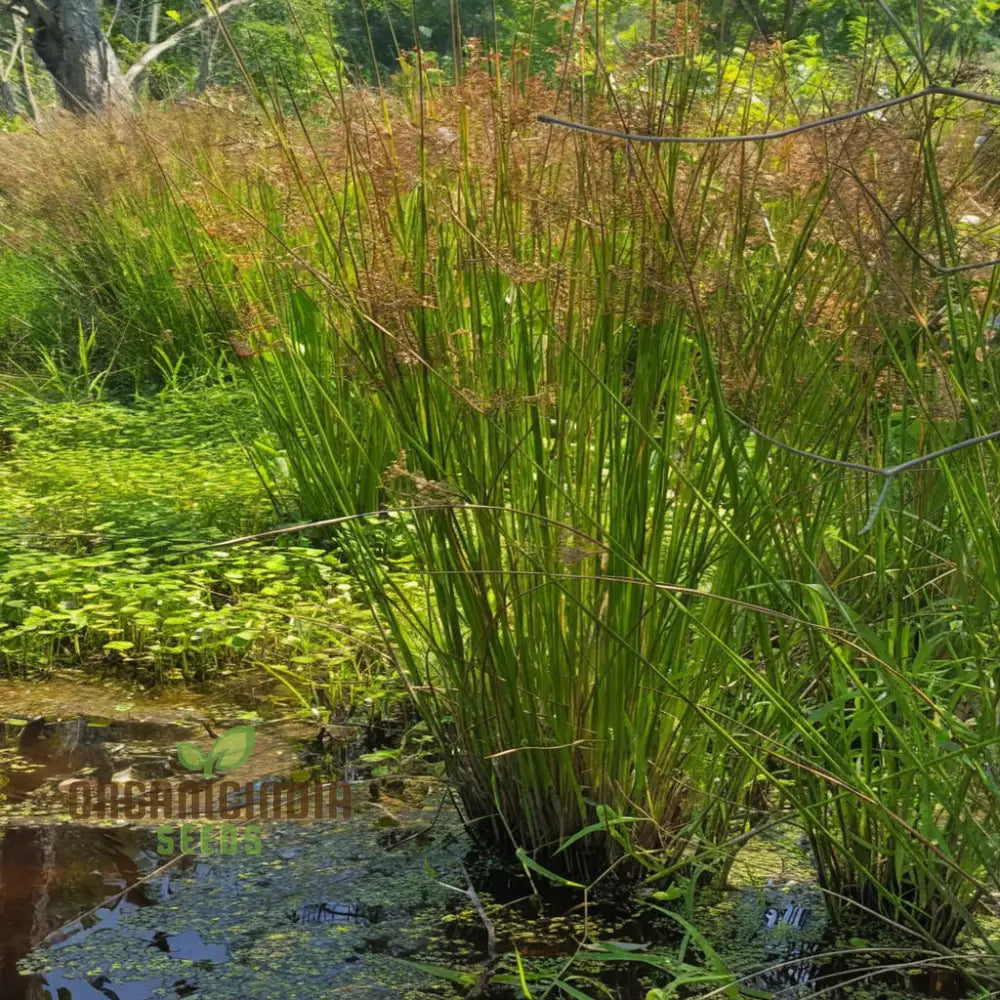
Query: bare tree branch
[15, 51]
[154, 52]
[888, 471]
[966, 95]
[893, 102]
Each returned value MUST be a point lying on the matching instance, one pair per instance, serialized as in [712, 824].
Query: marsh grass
[642, 629]
[99, 242]
[573, 329]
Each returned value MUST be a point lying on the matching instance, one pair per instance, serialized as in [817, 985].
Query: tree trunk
[68, 39]
[209, 36]
[8, 102]
[154, 23]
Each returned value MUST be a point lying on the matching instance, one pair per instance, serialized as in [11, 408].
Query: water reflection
[49, 875]
[52, 872]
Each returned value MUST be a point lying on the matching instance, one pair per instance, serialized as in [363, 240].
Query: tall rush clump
[561, 454]
[549, 333]
[545, 421]
[889, 754]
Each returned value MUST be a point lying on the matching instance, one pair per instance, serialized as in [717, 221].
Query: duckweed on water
[270, 950]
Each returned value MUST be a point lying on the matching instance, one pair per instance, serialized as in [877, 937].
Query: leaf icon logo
[229, 751]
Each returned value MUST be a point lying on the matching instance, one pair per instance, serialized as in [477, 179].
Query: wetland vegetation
[618, 517]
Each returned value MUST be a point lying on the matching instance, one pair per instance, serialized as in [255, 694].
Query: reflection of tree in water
[27, 867]
[38, 888]
[50, 875]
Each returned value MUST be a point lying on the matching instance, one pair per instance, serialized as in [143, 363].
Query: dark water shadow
[55, 875]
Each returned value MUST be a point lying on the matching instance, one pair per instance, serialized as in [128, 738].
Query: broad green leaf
[674, 892]
[442, 972]
[232, 748]
[173, 15]
[628, 946]
[192, 757]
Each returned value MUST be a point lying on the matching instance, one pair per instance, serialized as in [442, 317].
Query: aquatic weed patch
[90, 474]
[187, 620]
[99, 504]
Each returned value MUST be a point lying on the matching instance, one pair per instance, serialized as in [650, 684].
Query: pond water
[369, 905]
[95, 909]
[64, 881]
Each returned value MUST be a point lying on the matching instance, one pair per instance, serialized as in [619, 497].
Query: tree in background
[67, 38]
[102, 52]
[71, 42]
[373, 33]
[943, 25]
